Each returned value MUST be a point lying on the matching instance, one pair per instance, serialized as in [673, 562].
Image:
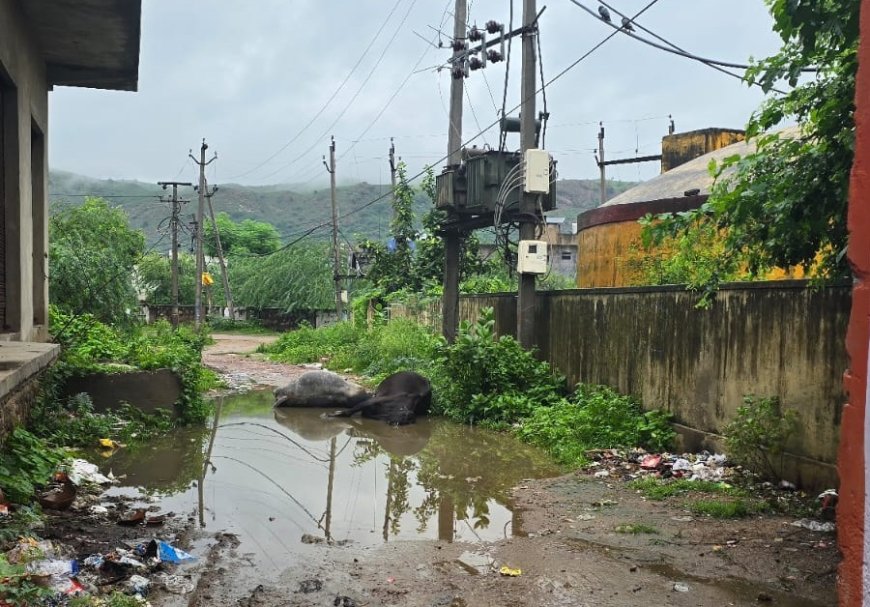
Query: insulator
[474, 34]
[494, 56]
[475, 64]
[493, 27]
[457, 72]
[458, 45]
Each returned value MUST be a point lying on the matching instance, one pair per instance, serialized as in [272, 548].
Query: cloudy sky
[250, 76]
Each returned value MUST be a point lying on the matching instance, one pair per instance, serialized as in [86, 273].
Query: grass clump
[660, 489]
[727, 509]
[636, 529]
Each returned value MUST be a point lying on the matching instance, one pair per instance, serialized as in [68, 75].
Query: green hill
[293, 210]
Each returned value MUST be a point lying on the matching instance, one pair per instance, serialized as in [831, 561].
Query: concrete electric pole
[452, 237]
[228, 295]
[336, 257]
[200, 212]
[601, 166]
[173, 230]
[528, 201]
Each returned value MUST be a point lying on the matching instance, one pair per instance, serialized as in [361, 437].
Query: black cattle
[399, 399]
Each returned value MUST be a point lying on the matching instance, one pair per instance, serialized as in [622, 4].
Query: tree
[247, 236]
[93, 251]
[785, 204]
[296, 278]
[154, 277]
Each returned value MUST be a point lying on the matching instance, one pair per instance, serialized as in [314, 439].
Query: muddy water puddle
[283, 479]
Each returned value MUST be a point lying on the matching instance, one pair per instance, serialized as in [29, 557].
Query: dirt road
[565, 541]
[234, 356]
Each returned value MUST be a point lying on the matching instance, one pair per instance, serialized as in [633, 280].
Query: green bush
[26, 462]
[481, 377]
[595, 417]
[758, 435]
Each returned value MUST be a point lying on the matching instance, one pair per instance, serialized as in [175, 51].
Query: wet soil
[299, 510]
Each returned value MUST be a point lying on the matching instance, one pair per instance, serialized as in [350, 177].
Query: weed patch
[727, 509]
[26, 462]
[636, 529]
[758, 435]
[659, 489]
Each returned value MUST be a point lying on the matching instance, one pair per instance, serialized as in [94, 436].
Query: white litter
[820, 526]
[83, 471]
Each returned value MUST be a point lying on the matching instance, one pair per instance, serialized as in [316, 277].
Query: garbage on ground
[137, 585]
[136, 517]
[344, 601]
[681, 587]
[59, 495]
[819, 526]
[176, 584]
[169, 554]
[630, 464]
[510, 571]
[82, 471]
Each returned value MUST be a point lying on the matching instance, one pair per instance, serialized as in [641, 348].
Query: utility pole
[601, 166]
[393, 167]
[336, 258]
[173, 230]
[200, 212]
[452, 237]
[220, 251]
[528, 206]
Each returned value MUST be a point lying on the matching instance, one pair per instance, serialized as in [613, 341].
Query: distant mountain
[293, 210]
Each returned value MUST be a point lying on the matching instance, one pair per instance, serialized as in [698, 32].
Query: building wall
[603, 254]
[853, 512]
[781, 338]
[24, 177]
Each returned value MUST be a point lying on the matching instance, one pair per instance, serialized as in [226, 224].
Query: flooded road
[286, 478]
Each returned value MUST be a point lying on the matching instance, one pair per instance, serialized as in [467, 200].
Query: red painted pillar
[853, 449]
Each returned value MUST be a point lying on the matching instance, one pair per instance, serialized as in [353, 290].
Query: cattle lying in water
[320, 389]
[399, 399]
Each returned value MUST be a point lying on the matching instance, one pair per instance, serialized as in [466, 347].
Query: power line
[352, 99]
[331, 98]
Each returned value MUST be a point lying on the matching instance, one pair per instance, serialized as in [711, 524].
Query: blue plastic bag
[169, 554]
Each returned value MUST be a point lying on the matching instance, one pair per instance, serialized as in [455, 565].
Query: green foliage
[154, 277]
[229, 325]
[90, 346]
[26, 462]
[485, 378]
[93, 252]
[376, 351]
[595, 417]
[785, 204]
[16, 586]
[246, 237]
[725, 509]
[293, 279]
[758, 436]
[659, 489]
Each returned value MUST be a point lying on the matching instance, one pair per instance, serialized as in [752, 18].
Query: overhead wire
[507, 70]
[353, 98]
[331, 98]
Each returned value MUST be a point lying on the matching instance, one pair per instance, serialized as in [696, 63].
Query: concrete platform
[20, 361]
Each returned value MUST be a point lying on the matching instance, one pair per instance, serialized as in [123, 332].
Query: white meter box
[537, 174]
[532, 257]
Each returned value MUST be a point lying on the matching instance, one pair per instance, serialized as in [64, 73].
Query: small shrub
[481, 374]
[26, 462]
[596, 417]
[758, 435]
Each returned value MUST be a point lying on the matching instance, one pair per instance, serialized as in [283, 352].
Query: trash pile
[124, 569]
[631, 464]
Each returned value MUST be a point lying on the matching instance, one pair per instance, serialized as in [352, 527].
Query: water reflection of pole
[207, 462]
[390, 475]
[328, 526]
[445, 518]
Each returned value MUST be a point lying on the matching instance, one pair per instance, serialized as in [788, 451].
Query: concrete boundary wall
[778, 338]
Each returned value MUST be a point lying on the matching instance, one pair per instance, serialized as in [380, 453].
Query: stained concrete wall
[780, 338]
[24, 176]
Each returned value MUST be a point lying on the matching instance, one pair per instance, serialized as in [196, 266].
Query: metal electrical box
[537, 172]
[532, 257]
[473, 187]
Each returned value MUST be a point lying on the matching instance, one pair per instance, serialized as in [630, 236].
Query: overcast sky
[248, 76]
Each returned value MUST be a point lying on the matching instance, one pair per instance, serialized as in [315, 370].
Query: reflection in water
[272, 476]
